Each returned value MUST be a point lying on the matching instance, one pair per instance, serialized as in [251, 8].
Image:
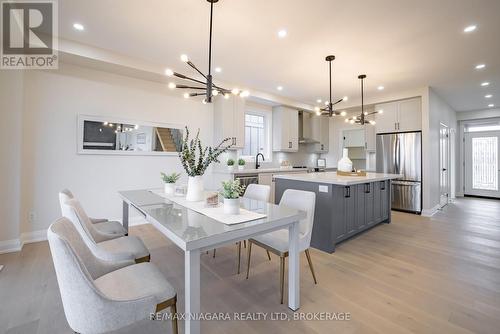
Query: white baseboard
[15, 245]
[430, 212]
[9, 246]
[134, 221]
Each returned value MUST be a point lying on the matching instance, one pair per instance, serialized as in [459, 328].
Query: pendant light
[203, 88]
[361, 119]
[328, 109]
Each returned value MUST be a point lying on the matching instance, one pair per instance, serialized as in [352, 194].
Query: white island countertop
[333, 178]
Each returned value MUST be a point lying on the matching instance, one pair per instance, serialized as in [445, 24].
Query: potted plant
[230, 164]
[241, 164]
[231, 191]
[169, 181]
[195, 164]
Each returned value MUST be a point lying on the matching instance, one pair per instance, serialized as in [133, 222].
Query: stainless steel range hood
[305, 128]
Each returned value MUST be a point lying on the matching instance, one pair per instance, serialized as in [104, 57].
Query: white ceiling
[400, 44]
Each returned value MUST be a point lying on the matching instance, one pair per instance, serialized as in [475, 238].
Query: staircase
[166, 140]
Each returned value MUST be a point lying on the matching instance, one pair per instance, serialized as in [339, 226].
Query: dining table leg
[192, 291]
[125, 211]
[293, 267]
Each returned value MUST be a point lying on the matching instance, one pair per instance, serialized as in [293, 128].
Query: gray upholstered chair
[109, 229]
[101, 296]
[277, 242]
[121, 248]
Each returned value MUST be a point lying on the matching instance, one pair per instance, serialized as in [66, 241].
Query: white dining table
[195, 233]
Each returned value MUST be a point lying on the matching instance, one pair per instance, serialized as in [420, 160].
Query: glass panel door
[481, 164]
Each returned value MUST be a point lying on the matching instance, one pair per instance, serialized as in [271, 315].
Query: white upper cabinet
[320, 131]
[410, 115]
[354, 138]
[285, 129]
[229, 120]
[399, 116]
[370, 138]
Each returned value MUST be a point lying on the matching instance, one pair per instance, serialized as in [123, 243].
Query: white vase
[195, 189]
[241, 167]
[345, 164]
[232, 206]
[169, 189]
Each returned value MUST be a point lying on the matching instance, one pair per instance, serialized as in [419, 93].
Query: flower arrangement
[196, 164]
[232, 189]
[170, 178]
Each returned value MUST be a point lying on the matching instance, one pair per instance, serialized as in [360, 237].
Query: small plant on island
[230, 162]
[241, 162]
[170, 178]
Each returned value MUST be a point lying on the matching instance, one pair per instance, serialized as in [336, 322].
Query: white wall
[11, 105]
[50, 162]
[438, 112]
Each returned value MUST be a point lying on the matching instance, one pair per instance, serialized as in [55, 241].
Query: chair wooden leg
[214, 254]
[146, 258]
[173, 310]
[239, 256]
[282, 277]
[245, 243]
[268, 255]
[249, 254]
[308, 255]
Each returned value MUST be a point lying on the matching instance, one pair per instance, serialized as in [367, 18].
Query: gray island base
[345, 206]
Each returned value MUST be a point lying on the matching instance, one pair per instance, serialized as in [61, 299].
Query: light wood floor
[416, 275]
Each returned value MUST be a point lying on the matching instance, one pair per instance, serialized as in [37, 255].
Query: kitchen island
[345, 205]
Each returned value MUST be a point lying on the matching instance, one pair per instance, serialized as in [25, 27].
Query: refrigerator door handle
[397, 156]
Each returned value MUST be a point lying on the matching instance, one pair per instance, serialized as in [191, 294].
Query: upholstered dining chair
[109, 229]
[101, 296]
[277, 242]
[120, 248]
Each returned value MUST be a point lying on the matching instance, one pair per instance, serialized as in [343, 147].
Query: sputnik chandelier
[361, 119]
[328, 108]
[207, 88]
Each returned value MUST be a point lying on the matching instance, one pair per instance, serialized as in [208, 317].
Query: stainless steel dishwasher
[246, 179]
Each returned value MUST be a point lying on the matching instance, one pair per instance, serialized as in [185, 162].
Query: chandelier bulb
[184, 58]
[235, 91]
[172, 85]
[215, 92]
[169, 72]
[226, 96]
[343, 113]
[186, 95]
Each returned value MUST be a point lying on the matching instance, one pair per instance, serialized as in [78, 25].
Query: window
[485, 163]
[482, 127]
[256, 135]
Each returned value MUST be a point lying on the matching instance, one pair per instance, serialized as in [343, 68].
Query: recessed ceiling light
[484, 84]
[491, 105]
[480, 66]
[78, 26]
[282, 33]
[318, 101]
[279, 88]
[380, 87]
[489, 96]
[345, 98]
[218, 69]
[470, 28]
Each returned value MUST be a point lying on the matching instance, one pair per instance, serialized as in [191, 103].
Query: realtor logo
[28, 35]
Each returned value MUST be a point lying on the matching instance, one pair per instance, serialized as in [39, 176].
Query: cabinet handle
[289, 144]
[383, 185]
[367, 188]
[347, 192]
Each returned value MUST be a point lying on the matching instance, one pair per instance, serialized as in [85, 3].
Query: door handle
[347, 192]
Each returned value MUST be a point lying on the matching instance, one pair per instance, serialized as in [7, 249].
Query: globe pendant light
[361, 119]
[328, 109]
[203, 88]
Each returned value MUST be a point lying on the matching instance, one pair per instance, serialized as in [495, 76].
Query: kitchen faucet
[257, 165]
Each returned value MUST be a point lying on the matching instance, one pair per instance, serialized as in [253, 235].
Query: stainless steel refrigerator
[401, 153]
